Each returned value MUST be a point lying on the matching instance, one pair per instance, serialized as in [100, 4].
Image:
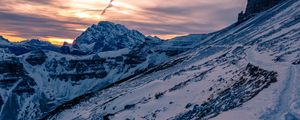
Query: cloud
[63, 19]
[180, 28]
[187, 19]
[37, 1]
[31, 26]
[107, 7]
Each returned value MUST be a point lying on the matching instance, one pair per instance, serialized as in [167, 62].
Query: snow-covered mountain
[108, 36]
[248, 71]
[3, 41]
[36, 76]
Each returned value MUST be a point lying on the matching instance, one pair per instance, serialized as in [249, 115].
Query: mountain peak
[255, 7]
[107, 36]
[66, 44]
[108, 24]
[36, 42]
[2, 38]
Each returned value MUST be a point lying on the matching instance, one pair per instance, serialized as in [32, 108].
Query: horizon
[28, 20]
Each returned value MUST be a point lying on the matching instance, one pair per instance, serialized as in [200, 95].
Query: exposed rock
[2, 39]
[65, 48]
[252, 80]
[11, 67]
[1, 101]
[13, 77]
[36, 58]
[256, 6]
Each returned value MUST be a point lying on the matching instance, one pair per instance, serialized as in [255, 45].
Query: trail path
[287, 72]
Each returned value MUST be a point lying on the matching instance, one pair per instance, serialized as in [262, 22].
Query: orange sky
[58, 21]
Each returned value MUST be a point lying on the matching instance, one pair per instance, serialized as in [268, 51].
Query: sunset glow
[14, 38]
[59, 41]
[57, 21]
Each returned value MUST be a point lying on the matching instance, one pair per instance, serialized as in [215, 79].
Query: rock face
[256, 6]
[36, 58]
[15, 79]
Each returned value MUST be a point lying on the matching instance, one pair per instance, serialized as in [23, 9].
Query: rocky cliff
[256, 6]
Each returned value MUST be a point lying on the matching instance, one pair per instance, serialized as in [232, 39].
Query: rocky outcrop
[65, 48]
[256, 6]
[252, 80]
[36, 58]
[20, 86]
[83, 69]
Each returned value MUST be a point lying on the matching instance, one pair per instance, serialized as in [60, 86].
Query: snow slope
[249, 71]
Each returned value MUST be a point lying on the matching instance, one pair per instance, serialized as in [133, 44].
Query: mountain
[37, 77]
[108, 36]
[36, 43]
[246, 71]
[3, 40]
[26, 46]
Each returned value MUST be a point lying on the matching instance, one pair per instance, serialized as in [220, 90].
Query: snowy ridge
[248, 70]
[3, 41]
[26, 46]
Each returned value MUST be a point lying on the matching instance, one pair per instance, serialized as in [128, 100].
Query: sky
[57, 21]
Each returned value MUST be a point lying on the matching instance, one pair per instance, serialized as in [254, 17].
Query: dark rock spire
[256, 6]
